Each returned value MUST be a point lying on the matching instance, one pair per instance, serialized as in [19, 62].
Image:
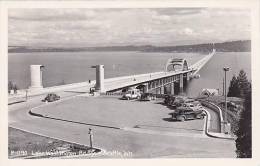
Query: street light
[90, 138]
[225, 90]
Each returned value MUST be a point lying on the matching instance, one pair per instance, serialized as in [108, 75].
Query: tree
[241, 87]
[244, 132]
[233, 90]
[243, 83]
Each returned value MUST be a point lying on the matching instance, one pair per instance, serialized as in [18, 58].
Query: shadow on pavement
[170, 120]
[65, 120]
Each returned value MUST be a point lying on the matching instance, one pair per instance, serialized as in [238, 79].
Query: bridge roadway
[139, 79]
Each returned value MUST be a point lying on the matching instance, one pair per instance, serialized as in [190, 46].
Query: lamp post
[26, 94]
[90, 138]
[225, 90]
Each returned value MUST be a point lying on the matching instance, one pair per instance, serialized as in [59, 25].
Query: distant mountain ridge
[232, 46]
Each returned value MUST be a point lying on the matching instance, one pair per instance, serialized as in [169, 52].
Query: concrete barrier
[212, 134]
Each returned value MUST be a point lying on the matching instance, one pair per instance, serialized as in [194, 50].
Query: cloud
[51, 14]
[187, 31]
[98, 27]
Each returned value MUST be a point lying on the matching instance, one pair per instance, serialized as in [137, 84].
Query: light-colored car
[179, 100]
[194, 106]
[132, 94]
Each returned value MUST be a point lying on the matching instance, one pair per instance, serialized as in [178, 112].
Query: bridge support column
[188, 76]
[172, 88]
[100, 78]
[181, 83]
[36, 77]
[146, 88]
[158, 90]
[162, 89]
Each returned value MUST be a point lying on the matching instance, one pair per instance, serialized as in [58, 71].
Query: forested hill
[233, 46]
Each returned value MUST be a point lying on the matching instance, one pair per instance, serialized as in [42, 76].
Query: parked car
[132, 94]
[179, 100]
[147, 97]
[194, 106]
[183, 114]
[169, 99]
[51, 97]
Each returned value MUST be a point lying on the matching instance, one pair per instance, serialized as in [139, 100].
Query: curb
[214, 135]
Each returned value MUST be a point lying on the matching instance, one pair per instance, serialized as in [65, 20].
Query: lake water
[71, 67]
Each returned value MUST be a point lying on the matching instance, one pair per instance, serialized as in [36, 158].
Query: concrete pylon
[100, 85]
[36, 77]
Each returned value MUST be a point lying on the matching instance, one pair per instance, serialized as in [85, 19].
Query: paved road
[142, 142]
[214, 121]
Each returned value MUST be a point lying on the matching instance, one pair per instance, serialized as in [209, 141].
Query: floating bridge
[172, 80]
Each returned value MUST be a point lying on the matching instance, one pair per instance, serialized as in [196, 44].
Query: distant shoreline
[233, 46]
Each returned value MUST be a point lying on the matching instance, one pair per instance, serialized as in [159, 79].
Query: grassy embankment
[22, 144]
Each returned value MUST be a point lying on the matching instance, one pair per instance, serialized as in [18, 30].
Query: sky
[140, 26]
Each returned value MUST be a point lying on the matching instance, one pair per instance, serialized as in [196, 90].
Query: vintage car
[147, 97]
[169, 99]
[186, 114]
[132, 94]
[177, 101]
[194, 106]
[51, 97]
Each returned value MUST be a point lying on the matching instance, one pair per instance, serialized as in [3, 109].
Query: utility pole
[223, 93]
